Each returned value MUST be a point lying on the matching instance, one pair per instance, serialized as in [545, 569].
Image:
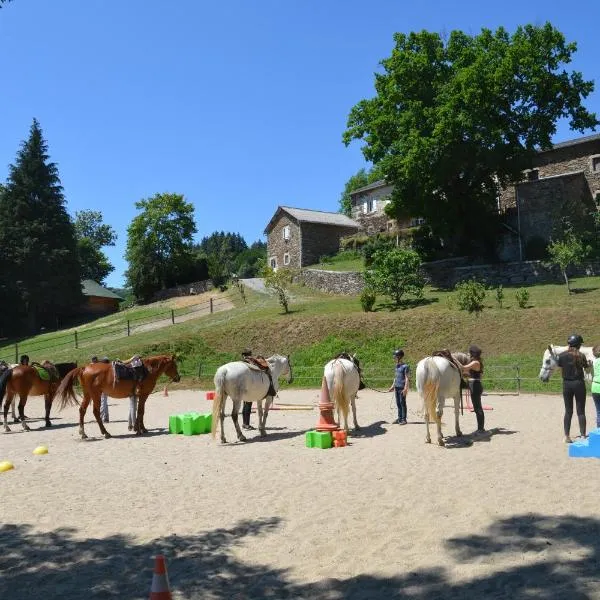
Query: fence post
[76, 341]
[128, 328]
[211, 306]
[173, 316]
[16, 353]
[518, 381]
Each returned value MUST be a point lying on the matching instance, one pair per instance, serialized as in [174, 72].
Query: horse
[25, 381]
[343, 379]
[244, 383]
[96, 378]
[550, 361]
[438, 379]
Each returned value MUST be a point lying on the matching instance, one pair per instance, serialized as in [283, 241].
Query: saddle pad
[42, 373]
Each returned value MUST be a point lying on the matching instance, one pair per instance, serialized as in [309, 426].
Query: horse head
[549, 363]
[170, 369]
[281, 365]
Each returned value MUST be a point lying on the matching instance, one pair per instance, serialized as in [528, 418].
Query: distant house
[98, 299]
[368, 204]
[297, 237]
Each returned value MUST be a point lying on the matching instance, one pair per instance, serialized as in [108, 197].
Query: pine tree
[37, 238]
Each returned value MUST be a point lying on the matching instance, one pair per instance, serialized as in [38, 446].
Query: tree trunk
[567, 282]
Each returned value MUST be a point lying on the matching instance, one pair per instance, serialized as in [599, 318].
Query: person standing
[400, 386]
[596, 383]
[572, 364]
[247, 407]
[474, 370]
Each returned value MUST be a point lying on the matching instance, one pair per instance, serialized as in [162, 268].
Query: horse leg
[353, 402]
[141, 409]
[7, 402]
[234, 417]
[438, 421]
[428, 436]
[22, 403]
[222, 420]
[266, 413]
[82, 409]
[96, 410]
[259, 412]
[48, 405]
[456, 416]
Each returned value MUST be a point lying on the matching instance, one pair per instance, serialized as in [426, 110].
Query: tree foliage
[395, 273]
[470, 295]
[566, 252]
[279, 281]
[40, 272]
[456, 119]
[92, 235]
[159, 244]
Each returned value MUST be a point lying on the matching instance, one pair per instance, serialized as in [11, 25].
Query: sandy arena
[506, 516]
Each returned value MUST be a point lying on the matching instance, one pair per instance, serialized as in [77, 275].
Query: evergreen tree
[37, 239]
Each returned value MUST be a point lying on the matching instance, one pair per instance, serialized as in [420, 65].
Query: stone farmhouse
[297, 237]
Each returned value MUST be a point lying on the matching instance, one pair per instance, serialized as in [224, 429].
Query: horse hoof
[144, 430]
[129, 428]
[459, 434]
[84, 436]
[6, 429]
[223, 441]
[48, 423]
[16, 420]
[441, 443]
[263, 433]
[357, 428]
[26, 427]
[427, 441]
[107, 435]
[242, 438]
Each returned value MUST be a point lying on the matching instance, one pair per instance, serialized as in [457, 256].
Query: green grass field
[322, 325]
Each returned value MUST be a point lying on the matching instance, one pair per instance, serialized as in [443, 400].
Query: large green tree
[92, 235]
[37, 239]
[456, 118]
[159, 244]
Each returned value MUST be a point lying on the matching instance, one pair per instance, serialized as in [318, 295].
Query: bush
[470, 295]
[522, 296]
[380, 243]
[499, 295]
[367, 299]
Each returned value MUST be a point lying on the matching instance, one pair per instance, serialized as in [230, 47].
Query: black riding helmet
[398, 353]
[475, 351]
[575, 340]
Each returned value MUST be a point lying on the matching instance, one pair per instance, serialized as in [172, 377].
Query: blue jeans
[596, 398]
[400, 403]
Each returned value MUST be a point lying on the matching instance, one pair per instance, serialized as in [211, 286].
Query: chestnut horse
[25, 381]
[98, 378]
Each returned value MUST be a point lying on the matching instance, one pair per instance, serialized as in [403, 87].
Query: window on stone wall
[596, 164]
[286, 232]
[416, 221]
[273, 262]
[286, 259]
[371, 205]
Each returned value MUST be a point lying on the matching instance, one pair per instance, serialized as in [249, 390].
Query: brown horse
[25, 381]
[98, 378]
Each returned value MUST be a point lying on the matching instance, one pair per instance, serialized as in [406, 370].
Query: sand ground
[507, 516]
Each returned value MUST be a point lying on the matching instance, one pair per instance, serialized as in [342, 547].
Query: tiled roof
[371, 186]
[575, 142]
[305, 215]
[90, 288]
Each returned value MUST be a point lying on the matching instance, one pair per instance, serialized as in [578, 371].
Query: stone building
[368, 204]
[564, 182]
[297, 237]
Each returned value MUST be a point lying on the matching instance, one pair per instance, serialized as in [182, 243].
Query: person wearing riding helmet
[400, 386]
[474, 370]
[572, 364]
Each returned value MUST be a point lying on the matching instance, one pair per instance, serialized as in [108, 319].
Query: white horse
[438, 379]
[245, 383]
[343, 380]
[550, 361]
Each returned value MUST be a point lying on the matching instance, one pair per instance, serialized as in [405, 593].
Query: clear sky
[239, 105]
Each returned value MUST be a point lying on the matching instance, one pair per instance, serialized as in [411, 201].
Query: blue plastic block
[582, 449]
[594, 439]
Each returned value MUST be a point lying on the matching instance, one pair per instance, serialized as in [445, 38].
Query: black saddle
[134, 371]
[356, 362]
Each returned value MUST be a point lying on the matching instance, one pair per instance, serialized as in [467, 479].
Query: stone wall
[444, 275]
[278, 247]
[189, 289]
[321, 240]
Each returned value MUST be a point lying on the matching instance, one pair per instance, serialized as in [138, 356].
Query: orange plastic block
[340, 438]
[210, 395]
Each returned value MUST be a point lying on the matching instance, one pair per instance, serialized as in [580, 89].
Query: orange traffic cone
[160, 580]
[326, 421]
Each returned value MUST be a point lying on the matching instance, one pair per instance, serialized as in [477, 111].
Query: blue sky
[239, 105]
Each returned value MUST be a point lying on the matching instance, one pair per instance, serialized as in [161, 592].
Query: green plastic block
[191, 424]
[175, 424]
[318, 439]
[205, 423]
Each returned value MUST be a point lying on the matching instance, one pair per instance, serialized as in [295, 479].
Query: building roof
[575, 142]
[371, 186]
[305, 215]
[90, 288]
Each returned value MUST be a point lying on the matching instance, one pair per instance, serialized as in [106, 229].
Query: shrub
[381, 243]
[499, 295]
[367, 299]
[522, 296]
[470, 295]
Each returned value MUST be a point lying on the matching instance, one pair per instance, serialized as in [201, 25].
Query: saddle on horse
[46, 370]
[132, 370]
[260, 363]
[445, 353]
[355, 361]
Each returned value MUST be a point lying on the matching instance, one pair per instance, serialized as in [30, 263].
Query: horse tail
[4, 379]
[220, 397]
[65, 391]
[431, 388]
[340, 399]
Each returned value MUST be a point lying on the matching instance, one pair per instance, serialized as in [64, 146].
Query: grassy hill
[322, 325]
